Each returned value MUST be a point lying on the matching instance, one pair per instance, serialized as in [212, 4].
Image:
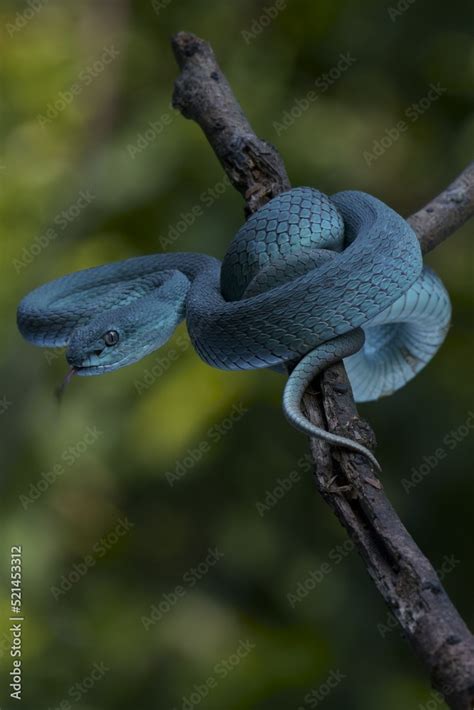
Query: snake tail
[307, 369]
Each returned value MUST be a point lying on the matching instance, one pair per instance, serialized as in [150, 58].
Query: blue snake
[307, 281]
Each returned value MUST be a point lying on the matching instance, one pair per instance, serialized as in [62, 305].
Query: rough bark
[446, 212]
[347, 482]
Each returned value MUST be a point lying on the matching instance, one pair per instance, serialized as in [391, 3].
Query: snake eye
[111, 337]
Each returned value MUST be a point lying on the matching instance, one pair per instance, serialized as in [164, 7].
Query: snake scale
[308, 280]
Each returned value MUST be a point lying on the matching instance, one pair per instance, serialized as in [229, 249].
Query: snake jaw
[93, 364]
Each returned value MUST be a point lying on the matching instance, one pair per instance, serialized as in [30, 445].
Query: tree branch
[347, 482]
[446, 213]
[203, 93]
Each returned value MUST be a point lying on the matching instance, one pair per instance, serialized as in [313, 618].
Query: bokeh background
[152, 549]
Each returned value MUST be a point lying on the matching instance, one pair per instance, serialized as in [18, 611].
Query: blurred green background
[150, 545]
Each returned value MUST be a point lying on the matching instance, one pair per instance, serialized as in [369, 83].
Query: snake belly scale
[308, 279]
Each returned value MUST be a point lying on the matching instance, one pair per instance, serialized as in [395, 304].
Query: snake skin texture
[307, 277]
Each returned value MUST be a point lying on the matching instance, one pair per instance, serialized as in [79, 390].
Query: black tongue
[59, 391]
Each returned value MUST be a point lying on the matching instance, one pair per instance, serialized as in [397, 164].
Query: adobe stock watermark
[161, 364]
[61, 220]
[23, 17]
[319, 574]
[436, 699]
[5, 404]
[52, 354]
[81, 688]
[396, 11]
[221, 670]
[448, 564]
[189, 580]
[283, 486]
[411, 115]
[98, 551]
[450, 442]
[269, 13]
[318, 695]
[149, 134]
[159, 5]
[85, 78]
[186, 219]
[68, 458]
[321, 84]
[17, 617]
[214, 434]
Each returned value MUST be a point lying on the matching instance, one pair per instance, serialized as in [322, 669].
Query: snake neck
[50, 314]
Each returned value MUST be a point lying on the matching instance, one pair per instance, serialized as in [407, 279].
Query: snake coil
[308, 279]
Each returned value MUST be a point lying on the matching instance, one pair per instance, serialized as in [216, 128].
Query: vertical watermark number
[16, 619]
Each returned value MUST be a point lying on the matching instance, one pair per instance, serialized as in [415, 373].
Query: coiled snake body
[304, 280]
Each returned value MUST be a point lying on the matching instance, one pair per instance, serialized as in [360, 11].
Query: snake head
[123, 335]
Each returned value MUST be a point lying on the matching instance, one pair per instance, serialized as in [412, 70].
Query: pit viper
[308, 280]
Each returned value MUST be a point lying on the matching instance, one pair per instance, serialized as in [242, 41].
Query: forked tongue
[59, 391]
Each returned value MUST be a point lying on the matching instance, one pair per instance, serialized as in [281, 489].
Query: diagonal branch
[446, 213]
[402, 574]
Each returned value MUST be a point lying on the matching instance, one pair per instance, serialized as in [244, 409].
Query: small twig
[403, 575]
